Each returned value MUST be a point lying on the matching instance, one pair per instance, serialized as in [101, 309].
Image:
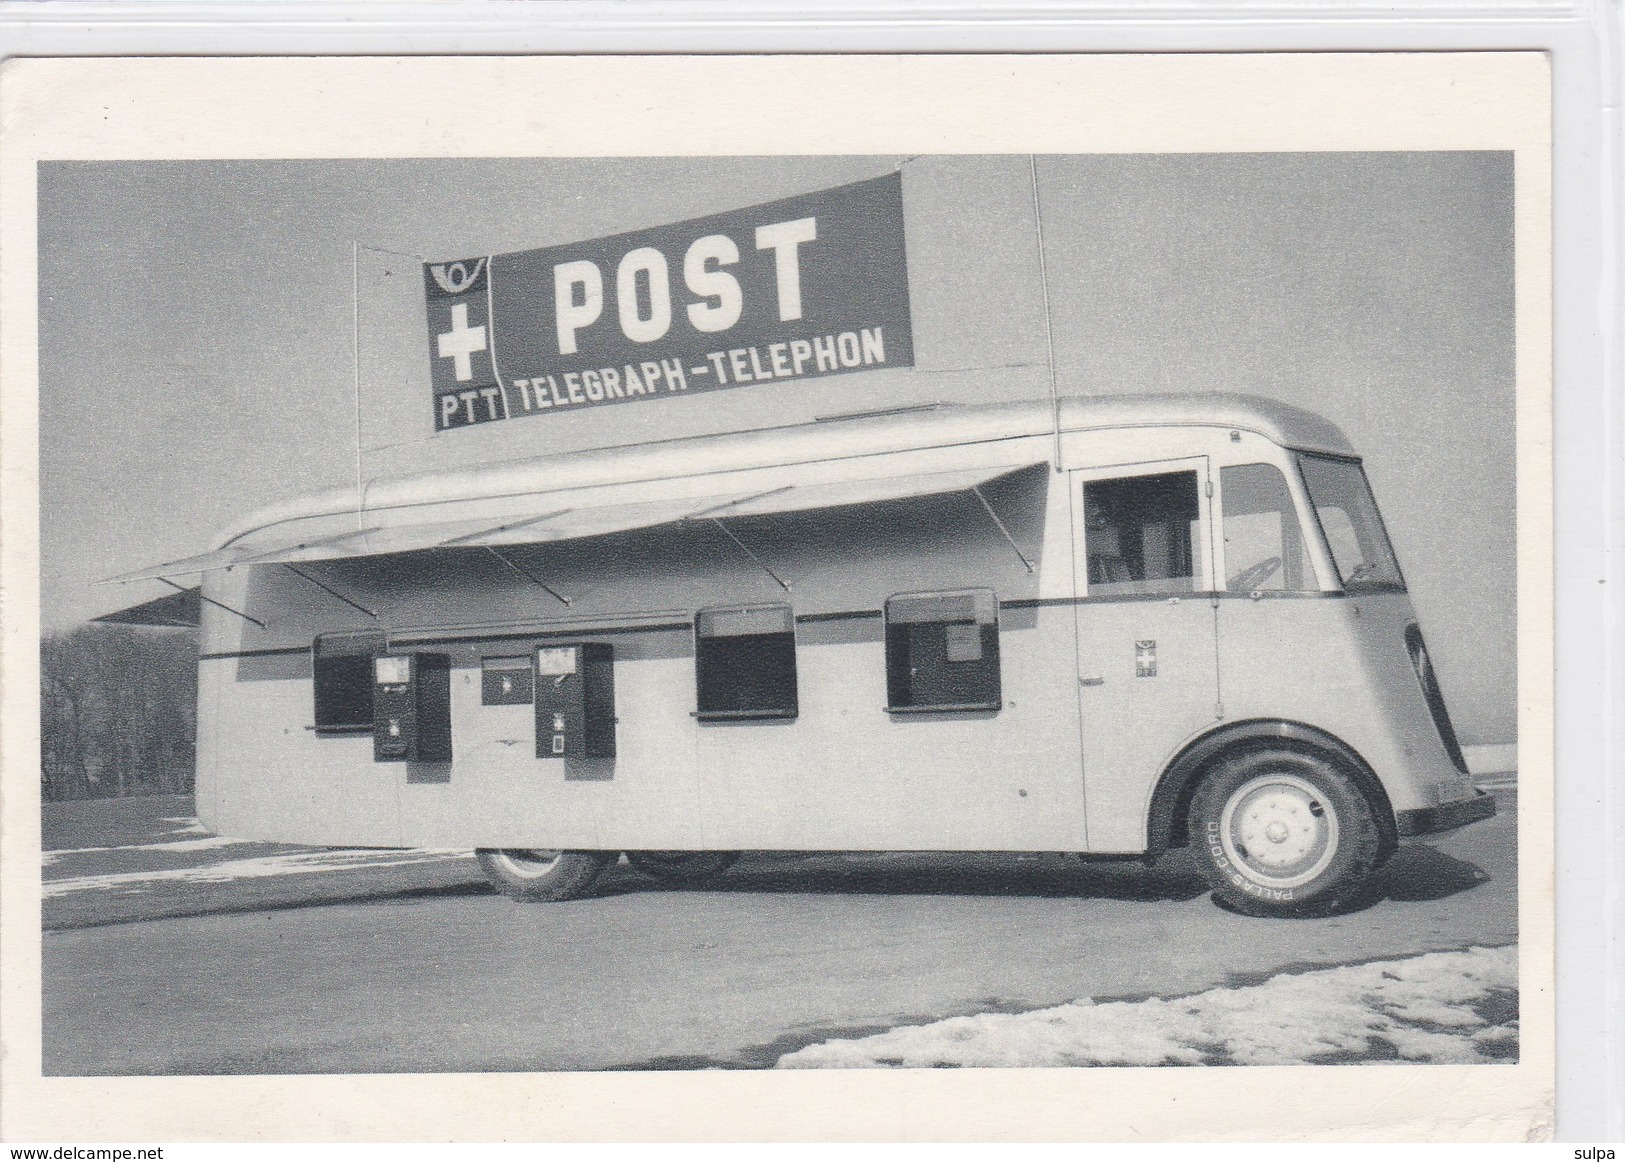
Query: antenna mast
[1049, 327]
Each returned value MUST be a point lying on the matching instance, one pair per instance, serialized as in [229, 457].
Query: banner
[808, 286]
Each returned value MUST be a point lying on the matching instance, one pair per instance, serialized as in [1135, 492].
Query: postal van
[1110, 627]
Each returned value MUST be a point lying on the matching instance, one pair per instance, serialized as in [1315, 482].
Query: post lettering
[569, 315]
[784, 238]
[711, 284]
[647, 261]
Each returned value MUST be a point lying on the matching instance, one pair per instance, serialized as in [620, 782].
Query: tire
[682, 867]
[542, 875]
[1284, 833]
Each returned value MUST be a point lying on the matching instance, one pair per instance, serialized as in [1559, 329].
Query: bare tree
[118, 712]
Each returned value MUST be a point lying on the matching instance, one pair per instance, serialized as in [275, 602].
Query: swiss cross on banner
[464, 374]
[806, 286]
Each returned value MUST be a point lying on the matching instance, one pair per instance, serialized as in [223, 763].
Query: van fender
[1170, 802]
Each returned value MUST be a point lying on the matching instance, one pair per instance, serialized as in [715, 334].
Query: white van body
[1143, 647]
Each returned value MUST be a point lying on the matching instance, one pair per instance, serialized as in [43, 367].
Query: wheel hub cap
[1277, 830]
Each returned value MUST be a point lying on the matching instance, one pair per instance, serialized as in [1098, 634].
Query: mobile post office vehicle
[1109, 626]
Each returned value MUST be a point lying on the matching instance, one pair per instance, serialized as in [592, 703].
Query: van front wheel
[1283, 833]
[542, 875]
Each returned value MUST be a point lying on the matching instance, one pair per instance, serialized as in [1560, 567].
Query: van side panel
[1356, 683]
[844, 775]
[847, 775]
[271, 778]
[497, 793]
[1152, 684]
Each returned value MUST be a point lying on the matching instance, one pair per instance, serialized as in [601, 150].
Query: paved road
[784, 951]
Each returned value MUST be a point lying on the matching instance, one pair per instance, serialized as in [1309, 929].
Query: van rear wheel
[682, 867]
[1284, 833]
[542, 875]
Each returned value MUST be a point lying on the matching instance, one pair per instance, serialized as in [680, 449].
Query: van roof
[836, 438]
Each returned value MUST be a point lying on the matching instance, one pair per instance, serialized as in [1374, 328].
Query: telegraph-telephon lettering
[738, 365]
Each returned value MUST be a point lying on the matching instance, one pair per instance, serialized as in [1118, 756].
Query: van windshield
[1348, 517]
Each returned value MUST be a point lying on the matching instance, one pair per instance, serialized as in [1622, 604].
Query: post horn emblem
[456, 277]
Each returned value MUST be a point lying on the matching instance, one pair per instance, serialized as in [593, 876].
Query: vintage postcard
[745, 598]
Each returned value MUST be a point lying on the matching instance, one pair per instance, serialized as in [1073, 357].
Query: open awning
[320, 549]
[177, 610]
[545, 518]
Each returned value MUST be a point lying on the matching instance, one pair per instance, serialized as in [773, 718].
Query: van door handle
[1092, 680]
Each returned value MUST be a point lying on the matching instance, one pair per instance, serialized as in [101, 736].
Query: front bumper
[1446, 816]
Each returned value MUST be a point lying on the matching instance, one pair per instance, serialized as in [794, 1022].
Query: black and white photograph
[717, 610]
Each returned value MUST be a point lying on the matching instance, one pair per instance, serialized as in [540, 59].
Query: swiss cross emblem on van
[1145, 659]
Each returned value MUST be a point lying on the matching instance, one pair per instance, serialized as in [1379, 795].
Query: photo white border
[602, 106]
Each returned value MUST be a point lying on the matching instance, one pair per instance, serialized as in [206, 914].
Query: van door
[1146, 631]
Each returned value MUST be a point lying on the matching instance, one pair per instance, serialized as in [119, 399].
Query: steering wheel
[1253, 576]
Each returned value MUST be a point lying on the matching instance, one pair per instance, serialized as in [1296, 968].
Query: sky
[217, 336]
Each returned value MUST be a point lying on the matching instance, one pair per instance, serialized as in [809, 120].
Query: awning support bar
[518, 524]
[707, 513]
[316, 544]
[527, 574]
[213, 602]
[977, 489]
[331, 592]
[728, 532]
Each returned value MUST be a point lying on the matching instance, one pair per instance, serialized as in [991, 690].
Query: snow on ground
[203, 843]
[189, 825]
[255, 867]
[1441, 1007]
[242, 869]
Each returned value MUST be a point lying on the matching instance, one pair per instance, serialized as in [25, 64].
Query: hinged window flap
[974, 605]
[343, 680]
[745, 663]
[749, 620]
[942, 652]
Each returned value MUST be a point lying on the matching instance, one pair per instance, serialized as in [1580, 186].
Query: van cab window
[1353, 529]
[1142, 534]
[1263, 543]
